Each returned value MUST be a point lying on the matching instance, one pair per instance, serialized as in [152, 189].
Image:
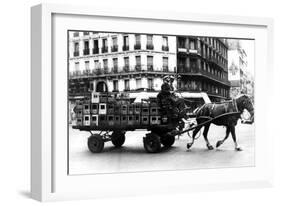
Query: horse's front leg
[233, 134]
[220, 142]
[205, 135]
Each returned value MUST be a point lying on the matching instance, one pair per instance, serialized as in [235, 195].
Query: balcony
[86, 51]
[201, 72]
[165, 69]
[95, 50]
[165, 48]
[150, 68]
[125, 47]
[76, 53]
[114, 48]
[134, 70]
[126, 68]
[104, 49]
[137, 46]
[115, 70]
[150, 46]
[138, 68]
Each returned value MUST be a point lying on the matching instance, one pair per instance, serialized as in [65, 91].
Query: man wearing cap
[168, 101]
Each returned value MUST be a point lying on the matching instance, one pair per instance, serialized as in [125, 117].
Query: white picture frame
[49, 179]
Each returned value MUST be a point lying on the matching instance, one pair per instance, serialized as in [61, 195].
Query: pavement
[132, 157]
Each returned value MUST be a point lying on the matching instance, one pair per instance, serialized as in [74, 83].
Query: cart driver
[169, 100]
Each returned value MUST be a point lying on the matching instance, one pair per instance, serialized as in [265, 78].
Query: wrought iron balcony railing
[104, 49]
[76, 53]
[86, 51]
[150, 46]
[137, 46]
[95, 50]
[114, 48]
[165, 48]
[125, 47]
[119, 71]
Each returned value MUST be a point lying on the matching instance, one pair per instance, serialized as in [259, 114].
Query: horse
[208, 111]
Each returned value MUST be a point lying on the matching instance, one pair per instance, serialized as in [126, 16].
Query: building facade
[202, 63]
[118, 62]
[237, 74]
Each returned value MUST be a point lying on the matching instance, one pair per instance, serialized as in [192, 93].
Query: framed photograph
[137, 102]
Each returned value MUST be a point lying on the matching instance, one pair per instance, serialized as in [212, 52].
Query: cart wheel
[118, 138]
[95, 143]
[167, 140]
[152, 143]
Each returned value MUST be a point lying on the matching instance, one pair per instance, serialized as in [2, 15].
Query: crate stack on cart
[103, 110]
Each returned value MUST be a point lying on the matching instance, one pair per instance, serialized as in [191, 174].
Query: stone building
[117, 62]
[202, 64]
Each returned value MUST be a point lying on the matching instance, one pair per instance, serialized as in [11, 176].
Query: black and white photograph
[141, 102]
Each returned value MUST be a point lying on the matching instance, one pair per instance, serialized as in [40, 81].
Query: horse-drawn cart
[113, 116]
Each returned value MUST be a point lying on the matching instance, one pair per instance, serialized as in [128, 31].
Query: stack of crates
[104, 110]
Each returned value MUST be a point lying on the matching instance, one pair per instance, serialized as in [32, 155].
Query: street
[132, 157]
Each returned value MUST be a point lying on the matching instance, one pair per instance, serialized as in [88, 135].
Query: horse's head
[244, 102]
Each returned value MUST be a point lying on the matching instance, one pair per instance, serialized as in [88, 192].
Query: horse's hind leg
[193, 137]
[205, 135]
[220, 142]
[233, 134]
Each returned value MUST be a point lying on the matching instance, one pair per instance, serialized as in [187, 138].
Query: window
[114, 44]
[76, 49]
[104, 46]
[193, 63]
[96, 47]
[85, 33]
[115, 85]
[97, 66]
[138, 41]
[127, 84]
[138, 63]
[105, 64]
[76, 66]
[115, 64]
[86, 50]
[138, 83]
[87, 65]
[75, 34]
[181, 42]
[126, 63]
[192, 44]
[125, 43]
[150, 63]
[150, 84]
[165, 64]
[149, 44]
[165, 46]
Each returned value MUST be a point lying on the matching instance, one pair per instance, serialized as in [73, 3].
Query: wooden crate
[86, 120]
[137, 108]
[145, 120]
[110, 120]
[94, 108]
[102, 108]
[95, 120]
[117, 120]
[155, 120]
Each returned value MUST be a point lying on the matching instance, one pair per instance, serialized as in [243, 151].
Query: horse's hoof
[188, 145]
[210, 147]
[238, 149]
[218, 144]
